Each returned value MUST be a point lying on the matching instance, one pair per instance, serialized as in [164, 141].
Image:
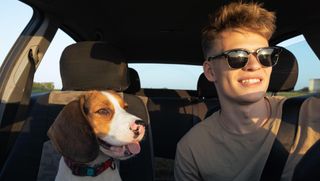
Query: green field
[42, 87]
[292, 93]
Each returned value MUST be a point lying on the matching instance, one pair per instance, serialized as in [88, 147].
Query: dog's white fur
[122, 131]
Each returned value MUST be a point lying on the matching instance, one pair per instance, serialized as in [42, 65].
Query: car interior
[109, 35]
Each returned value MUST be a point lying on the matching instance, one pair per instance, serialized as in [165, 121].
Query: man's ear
[208, 71]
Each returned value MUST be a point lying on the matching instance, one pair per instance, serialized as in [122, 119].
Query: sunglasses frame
[254, 52]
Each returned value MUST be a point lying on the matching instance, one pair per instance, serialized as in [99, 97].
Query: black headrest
[93, 65]
[205, 88]
[135, 85]
[283, 77]
[285, 73]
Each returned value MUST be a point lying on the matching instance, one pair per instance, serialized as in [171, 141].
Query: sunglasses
[238, 58]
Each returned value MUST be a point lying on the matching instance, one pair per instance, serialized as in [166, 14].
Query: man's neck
[243, 119]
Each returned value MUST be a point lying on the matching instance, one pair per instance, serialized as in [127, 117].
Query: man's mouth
[250, 81]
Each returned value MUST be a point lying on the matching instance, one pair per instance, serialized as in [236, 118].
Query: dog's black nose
[140, 122]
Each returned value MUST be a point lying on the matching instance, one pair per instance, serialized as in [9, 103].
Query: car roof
[166, 31]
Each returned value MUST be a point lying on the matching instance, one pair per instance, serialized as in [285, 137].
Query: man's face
[243, 85]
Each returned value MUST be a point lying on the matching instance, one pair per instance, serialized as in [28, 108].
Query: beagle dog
[92, 134]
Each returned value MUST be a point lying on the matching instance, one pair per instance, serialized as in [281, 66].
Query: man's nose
[253, 63]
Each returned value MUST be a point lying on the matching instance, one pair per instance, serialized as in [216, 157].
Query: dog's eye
[104, 111]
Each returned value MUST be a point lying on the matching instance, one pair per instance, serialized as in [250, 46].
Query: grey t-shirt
[210, 152]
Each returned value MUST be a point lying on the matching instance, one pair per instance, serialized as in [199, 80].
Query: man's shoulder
[276, 101]
[310, 107]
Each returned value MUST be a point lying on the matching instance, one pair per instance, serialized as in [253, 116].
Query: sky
[14, 15]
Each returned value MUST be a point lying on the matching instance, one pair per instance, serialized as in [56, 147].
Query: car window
[168, 76]
[10, 29]
[48, 70]
[308, 62]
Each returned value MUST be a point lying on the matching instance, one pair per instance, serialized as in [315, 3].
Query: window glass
[48, 70]
[169, 76]
[10, 29]
[308, 62]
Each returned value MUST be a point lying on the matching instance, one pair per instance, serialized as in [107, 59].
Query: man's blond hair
[239, 15]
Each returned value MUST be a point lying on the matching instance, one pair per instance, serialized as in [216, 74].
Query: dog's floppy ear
[72, 135]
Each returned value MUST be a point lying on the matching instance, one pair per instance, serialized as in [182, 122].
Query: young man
[234, 143]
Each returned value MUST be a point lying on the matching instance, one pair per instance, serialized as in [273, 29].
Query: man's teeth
[250, 81]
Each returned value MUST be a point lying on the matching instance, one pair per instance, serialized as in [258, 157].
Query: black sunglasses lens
[269, 56]
[237, 58]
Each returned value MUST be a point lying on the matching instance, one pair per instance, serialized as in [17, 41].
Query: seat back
[205, 88]
[24, 159]
[103, 67]
[285, 73]
[83, 66]
[135, 84]
[208, 96]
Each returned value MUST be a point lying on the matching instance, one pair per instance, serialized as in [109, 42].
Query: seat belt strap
[285, 138]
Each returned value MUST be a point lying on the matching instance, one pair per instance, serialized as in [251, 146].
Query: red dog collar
[81, 169]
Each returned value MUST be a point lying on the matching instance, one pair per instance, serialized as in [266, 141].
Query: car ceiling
[166, 31]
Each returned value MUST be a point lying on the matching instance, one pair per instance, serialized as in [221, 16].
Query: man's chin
[251, 98]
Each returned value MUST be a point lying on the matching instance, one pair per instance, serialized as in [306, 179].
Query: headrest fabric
[93, 65]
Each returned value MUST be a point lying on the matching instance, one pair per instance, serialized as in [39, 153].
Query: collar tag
[90, 171]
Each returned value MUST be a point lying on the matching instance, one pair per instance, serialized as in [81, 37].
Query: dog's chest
[65, 174]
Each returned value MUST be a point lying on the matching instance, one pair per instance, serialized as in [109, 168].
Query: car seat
[134, 80]
[83, 66]
[99, 66]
